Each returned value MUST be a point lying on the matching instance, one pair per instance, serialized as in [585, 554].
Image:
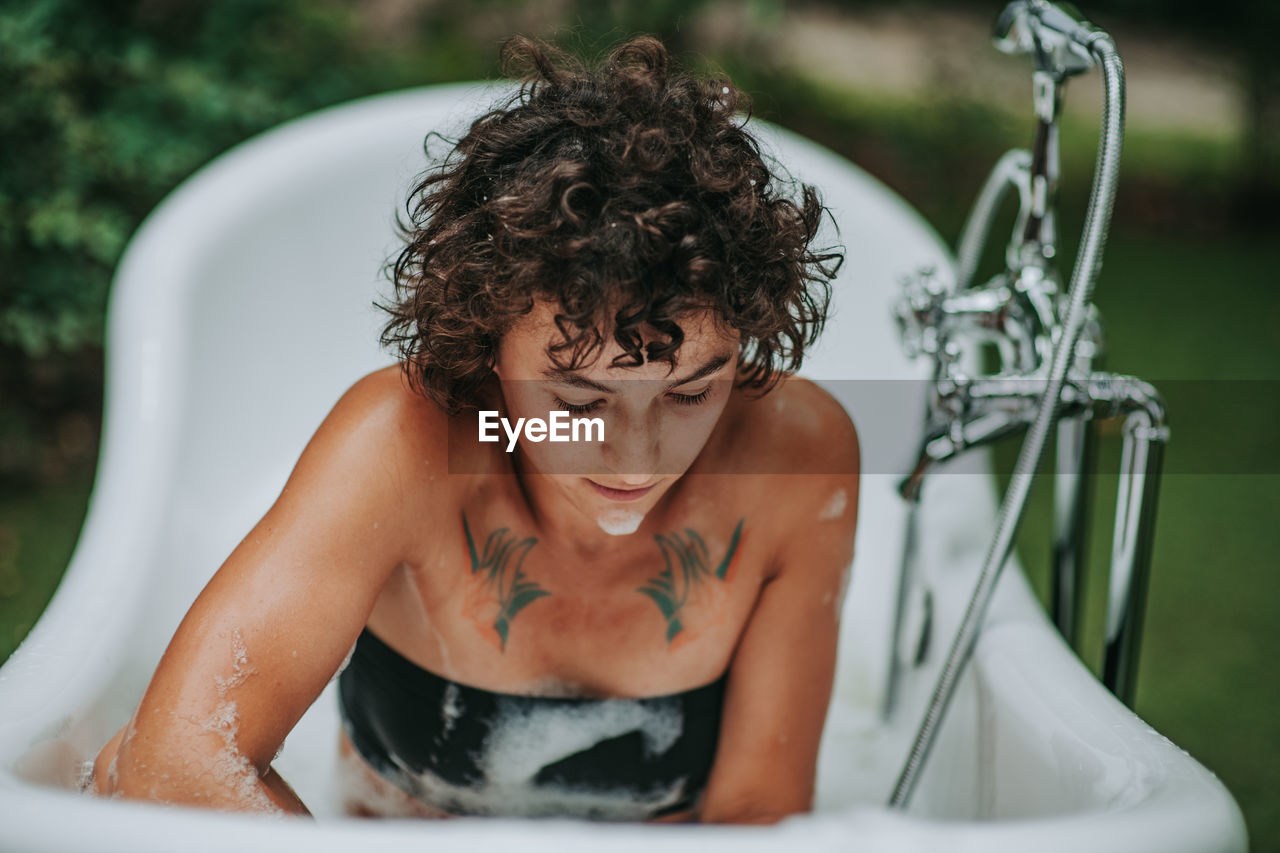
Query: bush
[105, 106]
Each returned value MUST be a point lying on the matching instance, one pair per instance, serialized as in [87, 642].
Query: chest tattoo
[497, 574]
[688, 570]
[498, 587]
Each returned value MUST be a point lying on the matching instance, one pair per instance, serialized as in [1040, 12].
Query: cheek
[523, 399]
[564, 455]
[685, 433]
[579, 459]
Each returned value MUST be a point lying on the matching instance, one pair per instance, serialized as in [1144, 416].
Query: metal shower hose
[1012, 508]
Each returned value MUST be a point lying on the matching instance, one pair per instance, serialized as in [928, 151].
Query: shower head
[1056, 33]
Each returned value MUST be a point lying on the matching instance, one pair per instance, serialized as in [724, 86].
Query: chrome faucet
[1048, 346]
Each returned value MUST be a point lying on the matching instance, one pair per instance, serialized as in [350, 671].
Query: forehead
[532, 336]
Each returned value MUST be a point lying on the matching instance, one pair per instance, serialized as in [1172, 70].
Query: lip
[622, 495]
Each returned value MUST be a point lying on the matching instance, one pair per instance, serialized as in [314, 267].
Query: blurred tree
[1243, 30]
[105, 105]
[1246, 31]
[666, 19]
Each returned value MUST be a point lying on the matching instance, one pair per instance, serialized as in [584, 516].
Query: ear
[494, 358]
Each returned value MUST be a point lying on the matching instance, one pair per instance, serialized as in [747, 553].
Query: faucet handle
[919, 311]
[1056, 34]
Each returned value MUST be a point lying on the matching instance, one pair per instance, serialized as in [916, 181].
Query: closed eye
[579, 409]
[691, 399]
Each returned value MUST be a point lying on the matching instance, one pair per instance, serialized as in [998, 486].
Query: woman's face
[656, 419]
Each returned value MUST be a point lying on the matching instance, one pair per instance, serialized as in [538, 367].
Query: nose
[631, 452]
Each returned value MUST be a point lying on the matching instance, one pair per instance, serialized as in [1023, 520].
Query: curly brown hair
[629, 194]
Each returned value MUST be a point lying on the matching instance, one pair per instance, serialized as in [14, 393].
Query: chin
[620, 521]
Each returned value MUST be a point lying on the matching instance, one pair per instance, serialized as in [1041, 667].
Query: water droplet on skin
[835, 506]
[845, 577]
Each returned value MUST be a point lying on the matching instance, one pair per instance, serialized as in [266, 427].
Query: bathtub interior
[244, 309]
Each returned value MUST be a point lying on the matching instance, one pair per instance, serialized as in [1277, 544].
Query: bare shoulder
[374, 451]
[796, 428]
[381, 420]
[801, 448]
[384, 401]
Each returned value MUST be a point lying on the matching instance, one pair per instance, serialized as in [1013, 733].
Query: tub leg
[1072, 497]
[1142, 456]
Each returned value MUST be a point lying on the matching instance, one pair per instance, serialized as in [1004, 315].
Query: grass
[38, 531]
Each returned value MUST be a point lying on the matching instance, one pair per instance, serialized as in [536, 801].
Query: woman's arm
[276, 621]
[781, 675]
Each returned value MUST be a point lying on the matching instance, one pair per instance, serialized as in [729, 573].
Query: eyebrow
[568, 377]
[706, 370]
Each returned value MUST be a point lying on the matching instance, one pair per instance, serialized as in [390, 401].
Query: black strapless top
[475, 752]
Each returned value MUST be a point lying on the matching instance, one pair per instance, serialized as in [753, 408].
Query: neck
[568, 527]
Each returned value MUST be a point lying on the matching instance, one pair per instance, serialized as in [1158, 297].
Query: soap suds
[113, 771]
[230, 770]
[345, 661]
[524, 740]
[240, 662]
[361, 791]
[113, 768]
[232, 767]
[620, 522]
[451, 709]
[84, 779]
[845, 577]
[834, 507]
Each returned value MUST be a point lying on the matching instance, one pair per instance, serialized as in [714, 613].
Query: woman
[638, 622]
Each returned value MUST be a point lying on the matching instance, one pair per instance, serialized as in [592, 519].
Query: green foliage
[106, 106]
[669, 20]
[37, 535]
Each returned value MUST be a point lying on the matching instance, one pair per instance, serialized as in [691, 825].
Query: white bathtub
[257, 275]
